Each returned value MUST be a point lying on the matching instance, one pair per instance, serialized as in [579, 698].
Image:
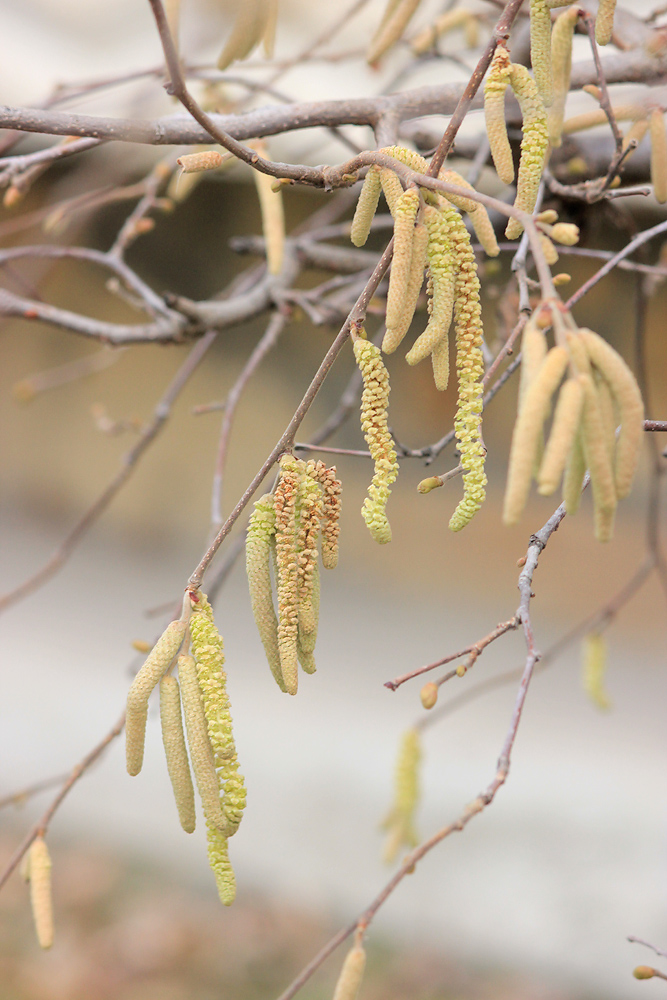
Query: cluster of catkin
[399, 822]
[194, 646]
[429, 233]
[286, 528]
[599, 392]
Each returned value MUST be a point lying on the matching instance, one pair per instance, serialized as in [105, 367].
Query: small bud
[141, 646]
[429, 484]
[562, 279]
[549, 216]
[643, 972]
[461, 670]
[429, 694]
[565, 233]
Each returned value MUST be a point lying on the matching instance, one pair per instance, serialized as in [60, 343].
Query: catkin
[41, 900]
[451, 19]
[540, 48]
[261, 529]
[533, 145]
[287, 572]
[332, 489]
[567, 417]
[349, 980]
[495, 87]
[533, 353]
[598, 462]
[561, 61]
[394, 335]
[575, 470]
[441, 268]
[391, 188]
[405, 216]
[366, 207]
[391, 28]
[311, 510]
[594, 667]
[399, 823]
[527, 432]
[658, 155]
[479, 216]
[273, 218]
[201, 753]
[147, 678]
[374, 400]
[195, 163]
[176, 753]
[247, 31]
[604, 22]
[218, 859]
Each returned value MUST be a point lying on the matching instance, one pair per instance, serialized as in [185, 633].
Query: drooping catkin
[201, 753]
[479, 216]
[41, 900]
[218, 859]
[567, 417]
[351, 975]
[533, 353]
[273, 217]
[495, 87]
[440, 364]
[306, 640]
[366, 206]
[533, 144]
[441, 269]
[573, 480]
[247, 31]
[594, 667]
[374, 401]
[176, 753]
[528, 430]
[261, 529]
[392, 188]
[627, 397]
[405, 215]
[598, 462]
[604, 22]
[332, 488]
[658, 155]
[285, 497]
[451, 19]
[147, 678]
[399, 822]
[561, 61]
[540, 48]
[310, 511]
[207, 648]
[391, 28]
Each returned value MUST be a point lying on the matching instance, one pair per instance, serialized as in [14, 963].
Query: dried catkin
[195, 163]
[528, 430]
[218, 859]
[627, 397]
[351, 975]
[405, 215]
[658, 155]
[391, 28]
[561, 62]
[604, 22]
[399, 823]
[495, 87]
[285, 498]
[261, 529]
[540, 48]
[148, 677]
[332, 489]
[374, 401]
[366, 207]
[533, 145]
[567, 417]
[594, 667]
[176, 753]
[441, 269]
[273, 218]
[598, 462]
[479, 216]
[41, 900]
[201, 753]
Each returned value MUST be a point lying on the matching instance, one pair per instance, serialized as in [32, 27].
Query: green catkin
[495, 87]
[604, 22]
[176, 753]
[528, 430]
[405, 216]
[479, 216]
[201, 753]
[561, 61]
[261, 529]
[147, 678]
[287, 572]
[567, 417]
[366, 207]
[399, 823]
[218, 859]
[575, 470]
[332, 489]
[407, 156]
[207, 648]
[41, 900]
[594, 667]
[391, 28]
[627, 398]
[598, 462]
[311, 509]
[533, 145]
[374, 400]
[658, 155]
[441, 269]
[540, 48]
[351, 975]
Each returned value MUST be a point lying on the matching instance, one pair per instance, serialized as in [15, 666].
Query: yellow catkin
[533, 353]
[207, 648]
[604, 22]
[218, 859]
[391, 28]
[195, 163]
[627, 397]
[533, 145]
[636, 133]
[567, 417]
[495, 87]
[643, 972]
[201, 753]
[407, 156]
[540, 48]
[479, 216]
[310, 505]
[399, 822]
[441, 268]
[561, 61]
[247, 31]
[440, 364]
[607, 411]
[598, 462]
[528, 430]
[449, 21]
[594, 667]
[374, 401]
[575, 470]
[658, 154]
[332, 488]
[391, 188]
[405, 215]
[393, 338]
[261, 529]
[40, 892]
[351, 975]
[148, 677]
[366, 207]
[285, 498]
[176, 753]
[269, 36]
[588, 119]
[273, 217]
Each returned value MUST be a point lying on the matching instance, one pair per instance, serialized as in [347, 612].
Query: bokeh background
[537, 897]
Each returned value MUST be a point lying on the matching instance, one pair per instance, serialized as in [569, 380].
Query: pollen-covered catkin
[176, 753]
[374, 401]
[567, 417]
[366, 207]
[147, 678]
[604, 22]
[441, 269]
[540, 48]
[261, 529]
[561, 62]
[658, 154]
[598, 462]
[218, 859]
[40, 891]
[405, 216]
[201, 753]
[528, 430]
[594, 664]
[287, 573]
[311, 509]
[495, 87]
[332, 489]
[399, 823]
[351, 975]
[533, 145]
[391, 28]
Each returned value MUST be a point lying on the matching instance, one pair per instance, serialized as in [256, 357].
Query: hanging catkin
[287, 574]
[533, 145]
[598, 462]
[249, 28]
[176, 753]
[479, 216]
[575, 470]
[366, 207]
[567, 417]
[404, 224]
[441, 268]
[399, 822]
[40, 891]
[604, 22]
[201, 753]
[561, 61]
[273, 216]
[540, 48]
[392, 26]
[658, 155]
[332, 489]
[218, 859]
[261, 529]
[311, 510]
[594, 667]
[351, 975]
[495, 87]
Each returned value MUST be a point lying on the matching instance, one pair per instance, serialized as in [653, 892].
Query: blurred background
[536, 899]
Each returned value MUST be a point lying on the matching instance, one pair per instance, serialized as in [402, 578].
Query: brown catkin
[658, 154]
[332, 488]
[351, 974]
[310, 511]
[201, 753]
[41, 899]
[176, 753]
[567, 417]
[195, 163]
